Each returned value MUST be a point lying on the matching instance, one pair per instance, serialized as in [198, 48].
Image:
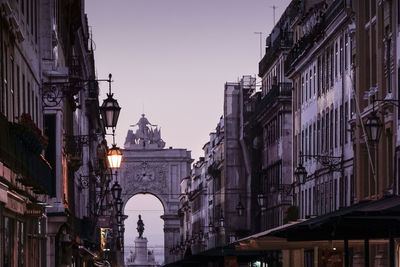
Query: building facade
[320, 66]
[52, 148]
[273, 117]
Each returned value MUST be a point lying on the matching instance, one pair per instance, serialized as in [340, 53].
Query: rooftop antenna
[260, 34]
[274, 7]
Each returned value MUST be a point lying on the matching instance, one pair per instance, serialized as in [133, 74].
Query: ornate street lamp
[221, 220]
[119, 217]
[110, 109]
[116, 190]
[300, 173]
[262, 201]
[114, 157]
[119, 205]
[240, 208]
[373, 127]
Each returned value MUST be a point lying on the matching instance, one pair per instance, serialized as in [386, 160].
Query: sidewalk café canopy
[366, 219]
[215, 254]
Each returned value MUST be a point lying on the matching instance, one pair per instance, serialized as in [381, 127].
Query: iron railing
[31, 167]
[307, 41]
[277, 90]
[283, 42]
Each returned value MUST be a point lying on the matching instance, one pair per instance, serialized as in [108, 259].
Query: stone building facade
[52, 149]
[271, 121]
[321, 70]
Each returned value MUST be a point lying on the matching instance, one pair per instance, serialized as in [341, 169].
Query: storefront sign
[104, 221]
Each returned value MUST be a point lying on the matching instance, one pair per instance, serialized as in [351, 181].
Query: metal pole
[366, 252]
[346, 253]
[391, 251]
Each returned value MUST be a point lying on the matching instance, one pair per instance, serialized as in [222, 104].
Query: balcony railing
[16, 154]
[283, 42]
[307, 41]
[278, 90]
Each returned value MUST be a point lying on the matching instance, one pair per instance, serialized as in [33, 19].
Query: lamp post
[373, 127]
[300, 174]
[109, 111]
[110, 108]
[262, 202]
[240, 209]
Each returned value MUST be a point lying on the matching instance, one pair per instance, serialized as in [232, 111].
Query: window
[315, 78]
[336, 58]
[335, 194]
[323, 143]
[310, 83]
[12, 90]
[27, 12]
[327, 131]
[23, 92]
[306, 142]
[32, 18]
[5, 87]
[346, 119]
[341, 124]
[341, 55]
[319, 75]
[336, 128]
[29, 98]
[306, 89]
[18, 93]
[8, 242]
[346, 47]
[309, 139]
[331, 129]
[318, 135]
[331, 64]
[20, 244]
[314, 138]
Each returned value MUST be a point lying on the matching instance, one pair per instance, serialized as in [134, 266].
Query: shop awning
[366, 219]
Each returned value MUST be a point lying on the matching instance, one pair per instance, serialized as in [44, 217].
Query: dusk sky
[171, 58]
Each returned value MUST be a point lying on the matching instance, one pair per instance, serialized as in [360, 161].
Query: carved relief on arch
[146, 177]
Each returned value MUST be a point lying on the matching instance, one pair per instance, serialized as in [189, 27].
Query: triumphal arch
[148, 167]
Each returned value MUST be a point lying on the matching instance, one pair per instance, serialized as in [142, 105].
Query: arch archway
[148, 167]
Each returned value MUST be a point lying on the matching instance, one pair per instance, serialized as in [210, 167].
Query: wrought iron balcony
[307, 41]
[278, 90]
[32, 168]
[283, 42]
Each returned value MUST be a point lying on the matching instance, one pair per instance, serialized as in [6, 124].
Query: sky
[170, 60]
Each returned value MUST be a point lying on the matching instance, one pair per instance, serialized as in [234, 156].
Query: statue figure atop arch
[146, 136]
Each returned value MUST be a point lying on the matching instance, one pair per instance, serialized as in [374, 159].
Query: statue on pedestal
[140, 226]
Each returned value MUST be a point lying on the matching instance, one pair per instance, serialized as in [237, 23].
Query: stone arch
[157, 172]
[126, 198]
[149, 168]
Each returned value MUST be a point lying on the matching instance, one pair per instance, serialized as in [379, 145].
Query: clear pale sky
[171, 59]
